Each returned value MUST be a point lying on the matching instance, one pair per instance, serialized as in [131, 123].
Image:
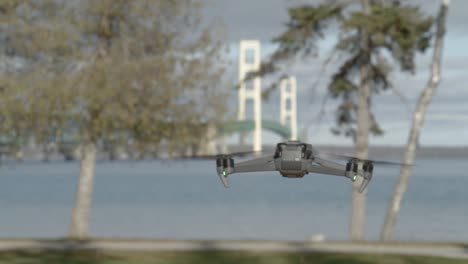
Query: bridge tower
[249, 61]
[288, 104]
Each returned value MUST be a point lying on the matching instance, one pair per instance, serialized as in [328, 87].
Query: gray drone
[294, 159]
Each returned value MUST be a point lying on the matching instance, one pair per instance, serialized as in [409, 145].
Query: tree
[29, 42]
[150, 74]
[139, 71]
[417, 124]
[371, 36]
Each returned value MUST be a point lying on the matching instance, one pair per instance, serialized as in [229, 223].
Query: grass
[208, 257]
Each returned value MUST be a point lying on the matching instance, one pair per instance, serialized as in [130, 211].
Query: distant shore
[383, 152]
[376, 152]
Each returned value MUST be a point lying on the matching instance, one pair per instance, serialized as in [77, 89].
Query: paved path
[404, 248]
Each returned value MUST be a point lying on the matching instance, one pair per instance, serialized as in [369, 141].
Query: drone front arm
[265, 163]
[332, 168]
[259, 164]
[321, 169]
[329, 164]
[336, 166]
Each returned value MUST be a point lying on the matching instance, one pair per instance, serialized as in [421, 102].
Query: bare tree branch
[418, 122]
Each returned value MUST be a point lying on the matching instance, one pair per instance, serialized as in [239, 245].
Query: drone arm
[321, 169]
[329, 164]
[333, 168]
[265, 163]
[334, 165]
[260, 164]
[324, 170]
[255, 161]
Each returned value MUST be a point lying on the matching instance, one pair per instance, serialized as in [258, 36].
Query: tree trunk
[80, 216]
[418, 122]
[358, 209]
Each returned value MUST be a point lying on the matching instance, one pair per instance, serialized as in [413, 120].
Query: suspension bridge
[286, 126]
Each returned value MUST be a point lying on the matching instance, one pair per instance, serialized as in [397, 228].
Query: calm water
[185, 200]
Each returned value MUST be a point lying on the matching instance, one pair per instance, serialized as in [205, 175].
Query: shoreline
[423, 248]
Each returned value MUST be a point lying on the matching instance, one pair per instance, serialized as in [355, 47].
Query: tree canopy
[394, 33]
[98, 67]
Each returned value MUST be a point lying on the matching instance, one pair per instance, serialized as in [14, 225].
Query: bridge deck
[249, 125]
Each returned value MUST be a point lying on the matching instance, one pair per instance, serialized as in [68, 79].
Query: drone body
[294, 159]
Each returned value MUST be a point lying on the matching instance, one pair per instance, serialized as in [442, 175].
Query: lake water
[185, 200]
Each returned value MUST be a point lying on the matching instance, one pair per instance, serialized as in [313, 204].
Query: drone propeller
[210, 157]
[377, 162]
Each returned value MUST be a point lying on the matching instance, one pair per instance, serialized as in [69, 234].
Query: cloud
[264, 19]
[456, 16]
[250, 19]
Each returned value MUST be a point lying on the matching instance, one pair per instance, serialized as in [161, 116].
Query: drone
[294, 159]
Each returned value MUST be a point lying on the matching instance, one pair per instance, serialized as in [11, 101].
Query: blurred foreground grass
[209, 257]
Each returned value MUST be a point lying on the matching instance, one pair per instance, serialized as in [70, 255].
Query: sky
[446, 120]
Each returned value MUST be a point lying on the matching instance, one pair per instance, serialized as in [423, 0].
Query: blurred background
[99, 99]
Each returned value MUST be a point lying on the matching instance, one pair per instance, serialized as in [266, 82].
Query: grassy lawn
[207, 257]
